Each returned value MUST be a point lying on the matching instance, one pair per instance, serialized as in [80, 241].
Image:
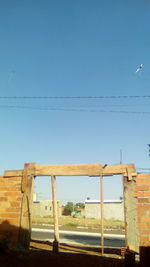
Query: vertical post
[130, 212]
[120, 156]
[102, 214]
[55, 215]
[26, 205]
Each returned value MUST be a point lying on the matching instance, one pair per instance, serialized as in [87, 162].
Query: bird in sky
[139, 68]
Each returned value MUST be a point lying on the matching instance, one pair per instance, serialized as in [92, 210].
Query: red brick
[143, 182]
[14, 209]
[15, 204]
[142, 187]
[15, 194]
[3, 199]
[145, 238]
[14, 221]
[143, 175]
[10, 183]
[12, 179]
[2, 194]
[9, 215]
[13, 199]
[144, 244]
[19, 198]
[2, 209]
[145, 232]
[4, 204]
[144, 225]
[145, 219]
[141, 212]
[143, 200]
[11, 221]
[145, 206]
[142, 194]
[5, 188]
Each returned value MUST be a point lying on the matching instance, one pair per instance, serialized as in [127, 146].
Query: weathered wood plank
[76, 169]
[130, 208]
[72, 169]
[26, 207]
[82, 169]
[119, 169]
[13, 173]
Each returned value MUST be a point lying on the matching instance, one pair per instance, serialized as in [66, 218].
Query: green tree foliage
[69, 207]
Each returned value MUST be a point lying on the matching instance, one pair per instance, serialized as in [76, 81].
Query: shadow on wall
[13, 237]
[145, 256]
[8, 236]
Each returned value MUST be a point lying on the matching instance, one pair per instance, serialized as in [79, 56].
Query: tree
[69, 207]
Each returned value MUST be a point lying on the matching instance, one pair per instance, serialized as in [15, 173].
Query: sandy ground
[40, 254]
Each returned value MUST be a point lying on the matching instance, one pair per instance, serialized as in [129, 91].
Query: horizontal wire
[75, 97]
[75, 110]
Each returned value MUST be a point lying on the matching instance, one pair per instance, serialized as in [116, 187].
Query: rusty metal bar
[102, 213]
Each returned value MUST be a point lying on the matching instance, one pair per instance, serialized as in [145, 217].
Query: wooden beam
[119, 169]
[77, 169]
[13, 173]
[72, 169]
[16, 173]
[83, 170]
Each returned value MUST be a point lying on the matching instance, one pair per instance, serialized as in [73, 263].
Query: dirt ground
[40, 254]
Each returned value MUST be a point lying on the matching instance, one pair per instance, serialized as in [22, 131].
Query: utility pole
[120, 156]
[149, 149]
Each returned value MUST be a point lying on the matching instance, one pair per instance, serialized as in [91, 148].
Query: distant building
[113, 209]
[44, 208]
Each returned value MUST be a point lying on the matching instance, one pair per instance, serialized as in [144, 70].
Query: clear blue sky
[74, 48]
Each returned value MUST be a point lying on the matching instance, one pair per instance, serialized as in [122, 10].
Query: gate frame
[31, 170]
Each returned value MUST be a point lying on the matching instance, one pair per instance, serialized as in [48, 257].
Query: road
[80, 237]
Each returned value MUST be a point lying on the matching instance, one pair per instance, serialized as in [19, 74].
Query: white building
[44, 208]
[113, 209]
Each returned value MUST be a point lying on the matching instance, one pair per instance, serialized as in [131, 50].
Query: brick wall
[10, 209]
[143, 210]
[143, 213]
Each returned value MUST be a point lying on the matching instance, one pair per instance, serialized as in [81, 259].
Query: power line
[75, 110]
[75, 97]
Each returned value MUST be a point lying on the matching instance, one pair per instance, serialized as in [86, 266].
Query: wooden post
[26, 205]
[55, 215]
[130, 210]
[102, 214]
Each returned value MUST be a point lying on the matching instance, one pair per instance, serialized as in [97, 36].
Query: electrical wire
[75, 109]
[78, 108]
[75, 97]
